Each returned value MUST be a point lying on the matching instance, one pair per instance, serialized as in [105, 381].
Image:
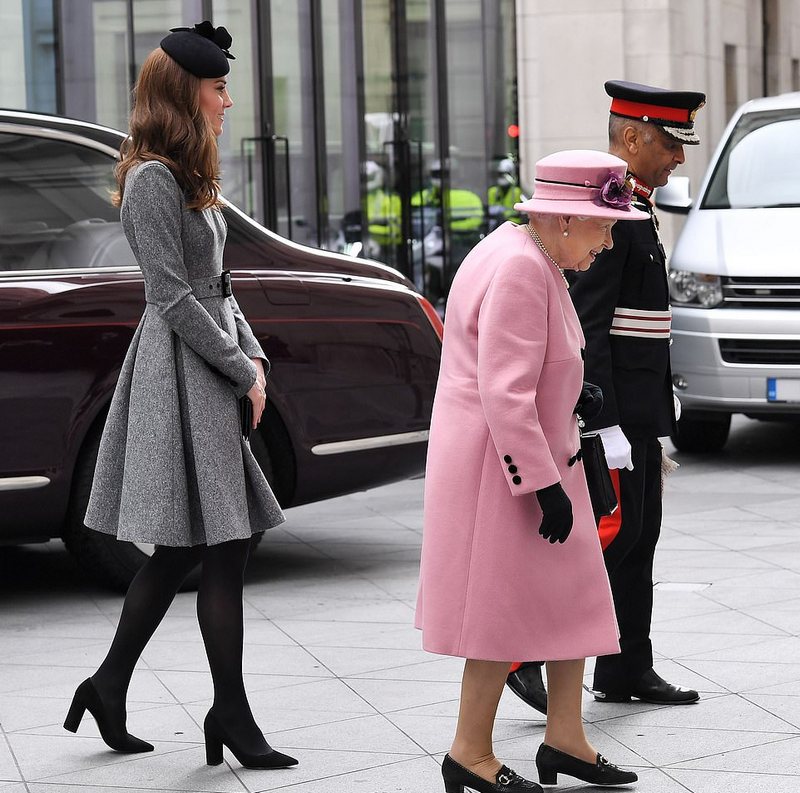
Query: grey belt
[213, 286]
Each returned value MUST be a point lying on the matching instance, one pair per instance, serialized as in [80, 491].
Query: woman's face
[214, 101]
[585, 240]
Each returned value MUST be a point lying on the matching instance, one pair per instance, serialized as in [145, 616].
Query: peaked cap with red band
[673, 111]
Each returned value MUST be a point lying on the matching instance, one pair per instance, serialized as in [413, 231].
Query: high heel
[115, 735]
[456, 778]
[217, 736]
[551, 762]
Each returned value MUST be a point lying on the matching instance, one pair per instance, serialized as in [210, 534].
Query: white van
[735, 277]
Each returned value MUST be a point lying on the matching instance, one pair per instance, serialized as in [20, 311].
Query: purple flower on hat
[616, 192]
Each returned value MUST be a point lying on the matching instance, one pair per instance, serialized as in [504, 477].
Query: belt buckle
[227, 289]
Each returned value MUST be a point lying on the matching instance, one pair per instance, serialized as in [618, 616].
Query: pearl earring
[566, 234]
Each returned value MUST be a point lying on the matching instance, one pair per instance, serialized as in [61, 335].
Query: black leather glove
[590, 402]
[556, 513]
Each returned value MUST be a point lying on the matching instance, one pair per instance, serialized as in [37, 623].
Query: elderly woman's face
[585, 240]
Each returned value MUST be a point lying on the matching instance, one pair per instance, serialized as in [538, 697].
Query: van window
[55, 206]
[760, 166]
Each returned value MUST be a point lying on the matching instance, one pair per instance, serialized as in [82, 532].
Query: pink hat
[585, 183]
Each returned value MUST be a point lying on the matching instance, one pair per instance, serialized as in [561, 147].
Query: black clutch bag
[246, 416]
[598, 478]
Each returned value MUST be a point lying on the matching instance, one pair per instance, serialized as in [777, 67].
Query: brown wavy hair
[167, 125]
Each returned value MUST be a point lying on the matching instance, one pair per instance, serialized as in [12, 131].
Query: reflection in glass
[294, 119]
[27, 42]
[94, 46]
[55, 206]
[381, 206]
[153, 19]
[241, 182]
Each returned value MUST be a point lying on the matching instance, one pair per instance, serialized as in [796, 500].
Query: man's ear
[631, 139]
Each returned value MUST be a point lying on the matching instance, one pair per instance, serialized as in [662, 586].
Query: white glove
[618, 450]
[677, 404]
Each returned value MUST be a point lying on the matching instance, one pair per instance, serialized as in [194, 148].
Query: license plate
[783, 390]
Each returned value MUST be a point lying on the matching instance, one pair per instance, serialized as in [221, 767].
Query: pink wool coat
[491, 587]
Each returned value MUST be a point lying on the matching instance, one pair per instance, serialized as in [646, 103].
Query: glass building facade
[385, 126]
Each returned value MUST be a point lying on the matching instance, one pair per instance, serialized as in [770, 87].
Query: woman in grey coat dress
[173, 467]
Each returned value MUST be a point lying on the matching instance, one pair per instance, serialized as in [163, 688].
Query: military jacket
[623, 305]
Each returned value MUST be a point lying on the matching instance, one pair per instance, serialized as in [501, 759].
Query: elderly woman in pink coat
[508, 522]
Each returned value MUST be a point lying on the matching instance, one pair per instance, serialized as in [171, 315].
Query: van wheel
[102, 557]
[707, 434]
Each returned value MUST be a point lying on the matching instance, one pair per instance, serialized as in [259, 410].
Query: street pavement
[337, 676]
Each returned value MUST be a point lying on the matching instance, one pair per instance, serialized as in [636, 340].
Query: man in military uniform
[623, 304]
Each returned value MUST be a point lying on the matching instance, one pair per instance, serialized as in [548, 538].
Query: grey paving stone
[725, 621]
[745, 676]
[786, 707]
[782, 755]
[387, 636]
[350, 772]
[721, 712]
[727, 782]
[335, 671]
[447, 670]
[362, 733]
[783, 650]
[354, 661]
[179, 770]
[387, 696]
[43, 756]
[9, 772]
[738, 597]
[676, 644]
[664, 746]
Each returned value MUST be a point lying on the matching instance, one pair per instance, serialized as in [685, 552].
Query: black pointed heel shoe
[217, 737]
[551, 762]
[456, 778]
[115, 735]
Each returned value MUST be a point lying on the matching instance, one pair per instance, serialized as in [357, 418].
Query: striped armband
[641, 323]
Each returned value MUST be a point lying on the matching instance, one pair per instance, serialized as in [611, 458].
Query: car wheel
[103, 557]
[706, 434]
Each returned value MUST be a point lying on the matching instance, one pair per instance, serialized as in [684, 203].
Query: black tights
[219, 612]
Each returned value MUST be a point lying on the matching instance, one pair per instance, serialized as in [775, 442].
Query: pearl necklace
[537, 239]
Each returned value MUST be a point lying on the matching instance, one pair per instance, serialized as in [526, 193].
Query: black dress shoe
[527, 684]
[456, 778]
[551, 762]
[651, 688]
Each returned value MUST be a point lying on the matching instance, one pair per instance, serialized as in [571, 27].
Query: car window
[55, 207]
[760, 166]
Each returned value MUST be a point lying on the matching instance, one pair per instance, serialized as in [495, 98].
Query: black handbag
[246, 416]
[598, 478]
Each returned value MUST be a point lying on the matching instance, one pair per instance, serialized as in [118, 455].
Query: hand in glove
[678, 407]
[590, 402]
[556, 513]
[617, 447]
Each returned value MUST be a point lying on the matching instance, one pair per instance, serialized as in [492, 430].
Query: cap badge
[694, 112]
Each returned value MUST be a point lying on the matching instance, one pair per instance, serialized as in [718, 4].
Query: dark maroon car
[354, 348]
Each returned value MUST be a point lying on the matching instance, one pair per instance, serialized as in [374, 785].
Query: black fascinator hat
[201, 50]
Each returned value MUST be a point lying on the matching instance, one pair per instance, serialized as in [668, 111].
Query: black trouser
[629, 562]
